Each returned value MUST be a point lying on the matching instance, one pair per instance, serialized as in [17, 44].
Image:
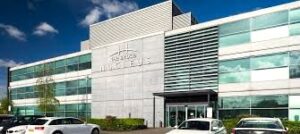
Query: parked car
[200, 126]
[259, 126]
[18, 124]
[4, 120]
[61, 125]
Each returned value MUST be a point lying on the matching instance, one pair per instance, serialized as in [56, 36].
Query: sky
[33, 30]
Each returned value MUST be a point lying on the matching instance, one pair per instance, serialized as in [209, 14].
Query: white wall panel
[270, 74]
[270, 33]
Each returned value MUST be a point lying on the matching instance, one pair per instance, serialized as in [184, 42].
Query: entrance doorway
[176, 114]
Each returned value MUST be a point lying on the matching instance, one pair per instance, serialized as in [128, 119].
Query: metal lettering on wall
[125, 58]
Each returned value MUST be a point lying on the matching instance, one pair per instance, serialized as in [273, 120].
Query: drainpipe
[153, 111]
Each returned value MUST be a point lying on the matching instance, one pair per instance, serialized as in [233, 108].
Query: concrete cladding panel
[124, 77]
[142, 22]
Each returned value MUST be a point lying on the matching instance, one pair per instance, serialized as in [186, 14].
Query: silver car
[200, 126]
[259, 126]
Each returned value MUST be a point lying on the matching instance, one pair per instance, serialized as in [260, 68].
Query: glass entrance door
[176, 114]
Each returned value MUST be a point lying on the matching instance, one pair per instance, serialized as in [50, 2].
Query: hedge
[114, 124]
[293, 127]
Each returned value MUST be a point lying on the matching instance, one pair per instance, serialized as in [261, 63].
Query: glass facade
[270, 61]
[263, 21]
[234, 33]
[77, 63]
[239, 32]
[239, 70]
[75, 87]
[264, 106]
[80, 110]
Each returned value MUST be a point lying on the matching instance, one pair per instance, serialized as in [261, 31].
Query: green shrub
[113, 124]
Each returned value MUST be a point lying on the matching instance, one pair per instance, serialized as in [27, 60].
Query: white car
[61, 125]
[17, 130]
[200, 126]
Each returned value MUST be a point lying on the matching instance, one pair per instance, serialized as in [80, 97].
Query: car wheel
[57, 132]
[95, 131]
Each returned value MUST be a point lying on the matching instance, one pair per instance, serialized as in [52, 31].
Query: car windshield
[39, 122]
[196, 125]
[271, 124]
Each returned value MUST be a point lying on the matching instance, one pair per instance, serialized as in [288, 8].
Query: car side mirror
[287, 129]
[176, 127]
[215, 128]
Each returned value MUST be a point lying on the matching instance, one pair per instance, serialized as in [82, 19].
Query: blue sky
[32, 30]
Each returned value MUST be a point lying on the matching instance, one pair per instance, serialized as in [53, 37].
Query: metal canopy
[185, 93]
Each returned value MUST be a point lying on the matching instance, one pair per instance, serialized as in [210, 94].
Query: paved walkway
[145, 131]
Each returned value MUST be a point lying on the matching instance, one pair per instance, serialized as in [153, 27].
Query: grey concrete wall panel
[138, 72]
[142, 22]
[183, 20]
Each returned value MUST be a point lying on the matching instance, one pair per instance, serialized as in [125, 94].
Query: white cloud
[43, 29]
[13, 32]
[9, 63]
[109, 9]
[92, 17]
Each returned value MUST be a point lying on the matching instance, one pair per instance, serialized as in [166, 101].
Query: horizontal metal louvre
[191, 60]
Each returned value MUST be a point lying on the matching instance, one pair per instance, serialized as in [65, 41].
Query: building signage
[125, 58]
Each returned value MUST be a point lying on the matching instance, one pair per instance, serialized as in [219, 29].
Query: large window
[294, 29]
[75, 87]
[278, 18]
[57, 67]
[235, 27]
[295, 15]
[80, 110]
[270, 61]
[234, 71]
[234, 33]
[264, 106]
[295, 64]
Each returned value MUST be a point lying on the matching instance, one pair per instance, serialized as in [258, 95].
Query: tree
[47, 103]
[4, 105]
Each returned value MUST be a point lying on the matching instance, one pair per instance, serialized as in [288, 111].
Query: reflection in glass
[270, 61]
[235, 39]
[234, 65]
[237, 77]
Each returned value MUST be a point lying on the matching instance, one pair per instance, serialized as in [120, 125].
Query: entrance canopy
[186, 93]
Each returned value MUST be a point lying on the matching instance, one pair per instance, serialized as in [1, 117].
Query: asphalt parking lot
[145, 131]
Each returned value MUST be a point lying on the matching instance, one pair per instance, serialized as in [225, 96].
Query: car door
[78, 126]
[59, 124]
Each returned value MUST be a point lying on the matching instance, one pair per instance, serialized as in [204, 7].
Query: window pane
[85, 58]
[295, 15]
[270, 61]
[235, 27]
[295, 58]
[234, 65]
[294, 114]
[237, 77]
[59, 63]
[71, 108]
[226, 114]
[294, 29]
[278, 18]
[279, 113]
[234, 102]
[72, 61]
[294, 71]
[235, 39]
[274, 101]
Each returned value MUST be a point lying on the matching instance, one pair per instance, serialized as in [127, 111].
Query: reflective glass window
[295, 15]
[263, 21]
[232, 113]
[274, 113]
[270, 61]
[234, 27]
[294, 29]
[235, 102]
[234, 65]
[273, 101]
[237, 77]
[235, 39]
